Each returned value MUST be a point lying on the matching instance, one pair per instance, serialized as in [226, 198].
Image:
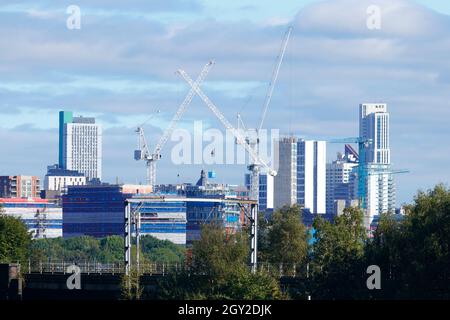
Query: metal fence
[89, 267]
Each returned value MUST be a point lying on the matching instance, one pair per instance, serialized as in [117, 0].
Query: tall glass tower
[380, 186]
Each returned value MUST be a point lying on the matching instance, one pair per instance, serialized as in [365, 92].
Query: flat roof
[23, 200]
[178, 199]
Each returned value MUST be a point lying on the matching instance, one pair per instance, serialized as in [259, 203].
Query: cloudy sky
[119, 67]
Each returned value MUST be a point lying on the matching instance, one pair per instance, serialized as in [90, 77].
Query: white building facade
[380, 185]
[82, 147]
[42, 218]
[58, 179]
[301, 177]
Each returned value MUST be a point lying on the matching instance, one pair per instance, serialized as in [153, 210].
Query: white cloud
[120, 68]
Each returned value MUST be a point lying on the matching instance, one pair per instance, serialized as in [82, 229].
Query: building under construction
[42, 218]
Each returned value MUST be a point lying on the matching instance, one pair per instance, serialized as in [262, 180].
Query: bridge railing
[64, 267]
[89, 267]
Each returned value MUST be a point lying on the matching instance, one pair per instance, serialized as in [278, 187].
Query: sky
[120, 67]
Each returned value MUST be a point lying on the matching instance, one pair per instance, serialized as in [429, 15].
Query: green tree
[218, 252]
[42, 250]
[337, 262]
[414, 255]
[14, 239]
[385, 250]
[111, 249]
[104, 250]
[131, 288]
[428, 252]
[162, 251]
[219, 270]
[263, 238]
[287, 238]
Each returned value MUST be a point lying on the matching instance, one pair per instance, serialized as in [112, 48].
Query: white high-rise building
[285, 182]
[301, 177]
[374, 125]
[81, 145]
[380, 186]
[312, 175]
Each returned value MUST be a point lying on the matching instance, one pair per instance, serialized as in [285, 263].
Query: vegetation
[287, 238]
[130, 285]
[219, 270]
[106, 250]
[162, 251]
[413, 255]
[337, 256]
[14, 239]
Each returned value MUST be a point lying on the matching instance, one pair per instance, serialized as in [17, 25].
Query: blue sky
[120, 68]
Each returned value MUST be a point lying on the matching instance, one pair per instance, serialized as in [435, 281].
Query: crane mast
[275, 74]
[254, 156]
[144, 154]
[241, 140]
[254, 141]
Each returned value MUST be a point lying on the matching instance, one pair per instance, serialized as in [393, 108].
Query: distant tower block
[80, 145]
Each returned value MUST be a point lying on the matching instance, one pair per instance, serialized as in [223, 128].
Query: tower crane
[143, 152]
[253, 135]
[253, 154]
[363, 170]
[239, 138]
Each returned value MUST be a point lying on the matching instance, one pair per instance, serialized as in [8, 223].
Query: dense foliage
[14, 239]
[284, 238]
[219, 270]
[106, 250]
[413, 255]
[336, 257]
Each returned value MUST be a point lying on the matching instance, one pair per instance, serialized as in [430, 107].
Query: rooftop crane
[253, 135]
[143, 152]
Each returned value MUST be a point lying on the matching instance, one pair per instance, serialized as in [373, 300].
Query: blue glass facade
[200, 213]
[99, 211]
[96, 211]
[163, 220]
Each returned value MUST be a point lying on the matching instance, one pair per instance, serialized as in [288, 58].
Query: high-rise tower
[380, 186]
[301, 177]
[80, 145]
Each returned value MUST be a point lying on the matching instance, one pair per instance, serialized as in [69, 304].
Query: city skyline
[121, 79]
